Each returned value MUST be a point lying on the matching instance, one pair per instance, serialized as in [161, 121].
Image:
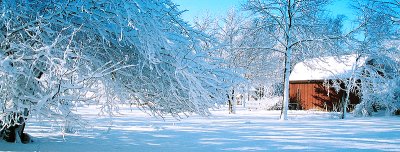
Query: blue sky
[201, 7]
[220, 7]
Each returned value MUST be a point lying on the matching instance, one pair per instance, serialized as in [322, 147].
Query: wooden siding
[305, 95]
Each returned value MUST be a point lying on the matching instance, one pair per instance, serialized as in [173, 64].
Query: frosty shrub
[56, 55]
[380, 87]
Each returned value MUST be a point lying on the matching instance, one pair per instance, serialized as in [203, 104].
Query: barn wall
[308, 95]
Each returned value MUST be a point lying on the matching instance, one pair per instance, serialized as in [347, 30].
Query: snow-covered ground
[246, 130]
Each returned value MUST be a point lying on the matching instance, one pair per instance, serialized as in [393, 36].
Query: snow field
[133, 130]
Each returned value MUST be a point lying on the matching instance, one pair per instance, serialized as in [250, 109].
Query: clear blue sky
[220, 7]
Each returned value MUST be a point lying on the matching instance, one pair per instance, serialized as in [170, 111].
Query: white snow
[134, 130]
[265, 103]
[332, 67]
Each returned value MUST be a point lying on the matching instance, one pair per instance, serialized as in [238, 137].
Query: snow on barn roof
[333, 67]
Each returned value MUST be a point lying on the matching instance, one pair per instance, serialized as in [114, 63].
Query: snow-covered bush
[380, 87]
[56, 55]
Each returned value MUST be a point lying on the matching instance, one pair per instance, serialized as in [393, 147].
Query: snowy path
[244, 131]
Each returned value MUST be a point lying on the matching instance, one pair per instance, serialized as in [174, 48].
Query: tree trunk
[349, 86]
[345, 101]
[285, 104]
[288, 56]
[14, 132]
[343, 109]
[231, 102]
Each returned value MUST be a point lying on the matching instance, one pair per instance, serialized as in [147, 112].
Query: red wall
[313, 95]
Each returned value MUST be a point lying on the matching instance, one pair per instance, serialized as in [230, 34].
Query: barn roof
[333, 67]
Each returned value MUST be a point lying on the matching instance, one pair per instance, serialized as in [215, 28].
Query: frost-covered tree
[56, 55]
[296, 28]
[374, 76]
[378, 40]
[229, 33]
[388, 7]
[236, 38]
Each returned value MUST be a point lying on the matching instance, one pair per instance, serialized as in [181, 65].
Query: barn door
[298, 98]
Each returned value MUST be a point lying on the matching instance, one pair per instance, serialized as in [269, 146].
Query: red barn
[307, 89]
